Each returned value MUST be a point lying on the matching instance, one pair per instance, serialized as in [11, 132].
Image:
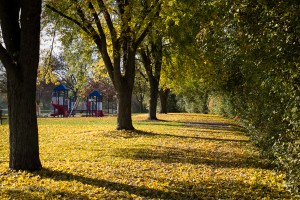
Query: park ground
[182, 156]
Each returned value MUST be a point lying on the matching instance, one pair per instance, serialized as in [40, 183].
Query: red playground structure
[60, 101]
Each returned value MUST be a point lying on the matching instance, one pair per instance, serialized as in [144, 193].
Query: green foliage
[221, 103]
[288, 157]
[255, 51]
[185, 156]
[173, 103]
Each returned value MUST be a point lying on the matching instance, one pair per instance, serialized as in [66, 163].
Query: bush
[288, 158]
[221, 104]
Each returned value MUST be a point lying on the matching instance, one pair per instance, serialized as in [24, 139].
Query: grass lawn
[183, 156]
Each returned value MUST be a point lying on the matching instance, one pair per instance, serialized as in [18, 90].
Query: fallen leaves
[184, 156]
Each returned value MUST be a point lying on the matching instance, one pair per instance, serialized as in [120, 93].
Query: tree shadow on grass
[225, 189]
[214, 189]
[113, 186]
[160, 122]
[140, 133]
[192, 156]
[204, 138]
[198, 124]
[216, 126]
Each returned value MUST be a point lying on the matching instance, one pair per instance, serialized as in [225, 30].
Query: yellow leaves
[45, 73]
[186, 156]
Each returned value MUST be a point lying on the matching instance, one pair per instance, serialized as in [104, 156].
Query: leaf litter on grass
[183, 156]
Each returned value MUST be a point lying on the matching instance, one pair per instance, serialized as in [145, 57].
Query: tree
[20, 25]
[151, 54]
[182, 67]
[117, 28]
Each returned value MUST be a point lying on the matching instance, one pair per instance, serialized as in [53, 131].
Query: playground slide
[98, 113]
[60, 110]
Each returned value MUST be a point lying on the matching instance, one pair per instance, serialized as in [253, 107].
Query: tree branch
[102, 43]
[97, 21]
[143, 75]
[142, 36]
[68, 17]
[108, 20]
[146, 59]
[87, 27]
[138, 41]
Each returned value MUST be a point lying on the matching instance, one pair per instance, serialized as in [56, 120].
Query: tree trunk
[152, 61]
[163, 95]
[24, 148]
[124, 95]
[20, 25]
[124, 87]
[205, 109]
[141, 106]
[140, 99]
[153, 98]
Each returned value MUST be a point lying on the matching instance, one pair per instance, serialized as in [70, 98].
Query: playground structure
[60, 101]
[65, 106]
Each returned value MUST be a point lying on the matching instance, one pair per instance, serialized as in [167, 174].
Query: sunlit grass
[183, 156]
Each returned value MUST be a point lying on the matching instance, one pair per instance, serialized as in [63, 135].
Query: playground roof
[61, 87]
[95, 93]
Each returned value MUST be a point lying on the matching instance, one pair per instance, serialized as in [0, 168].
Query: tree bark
[124, 120]
[24, 148]
[140, 99]
[153, 98]
[163, 95]
[205, 109]
[152, 61]
[124, 87]
[20, 57]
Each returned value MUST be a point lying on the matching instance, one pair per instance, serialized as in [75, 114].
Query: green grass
[183, 156]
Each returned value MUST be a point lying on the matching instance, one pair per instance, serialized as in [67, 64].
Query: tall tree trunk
[140, 96]
[163, 95]
[124, 87]
[153, 98]
[24, 148]
[124, 95]
[141, 104]
[140, 99]
[20, 25]
[205, 109]
[152, 61]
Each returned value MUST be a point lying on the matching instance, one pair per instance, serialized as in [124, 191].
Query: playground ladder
[75, 106]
